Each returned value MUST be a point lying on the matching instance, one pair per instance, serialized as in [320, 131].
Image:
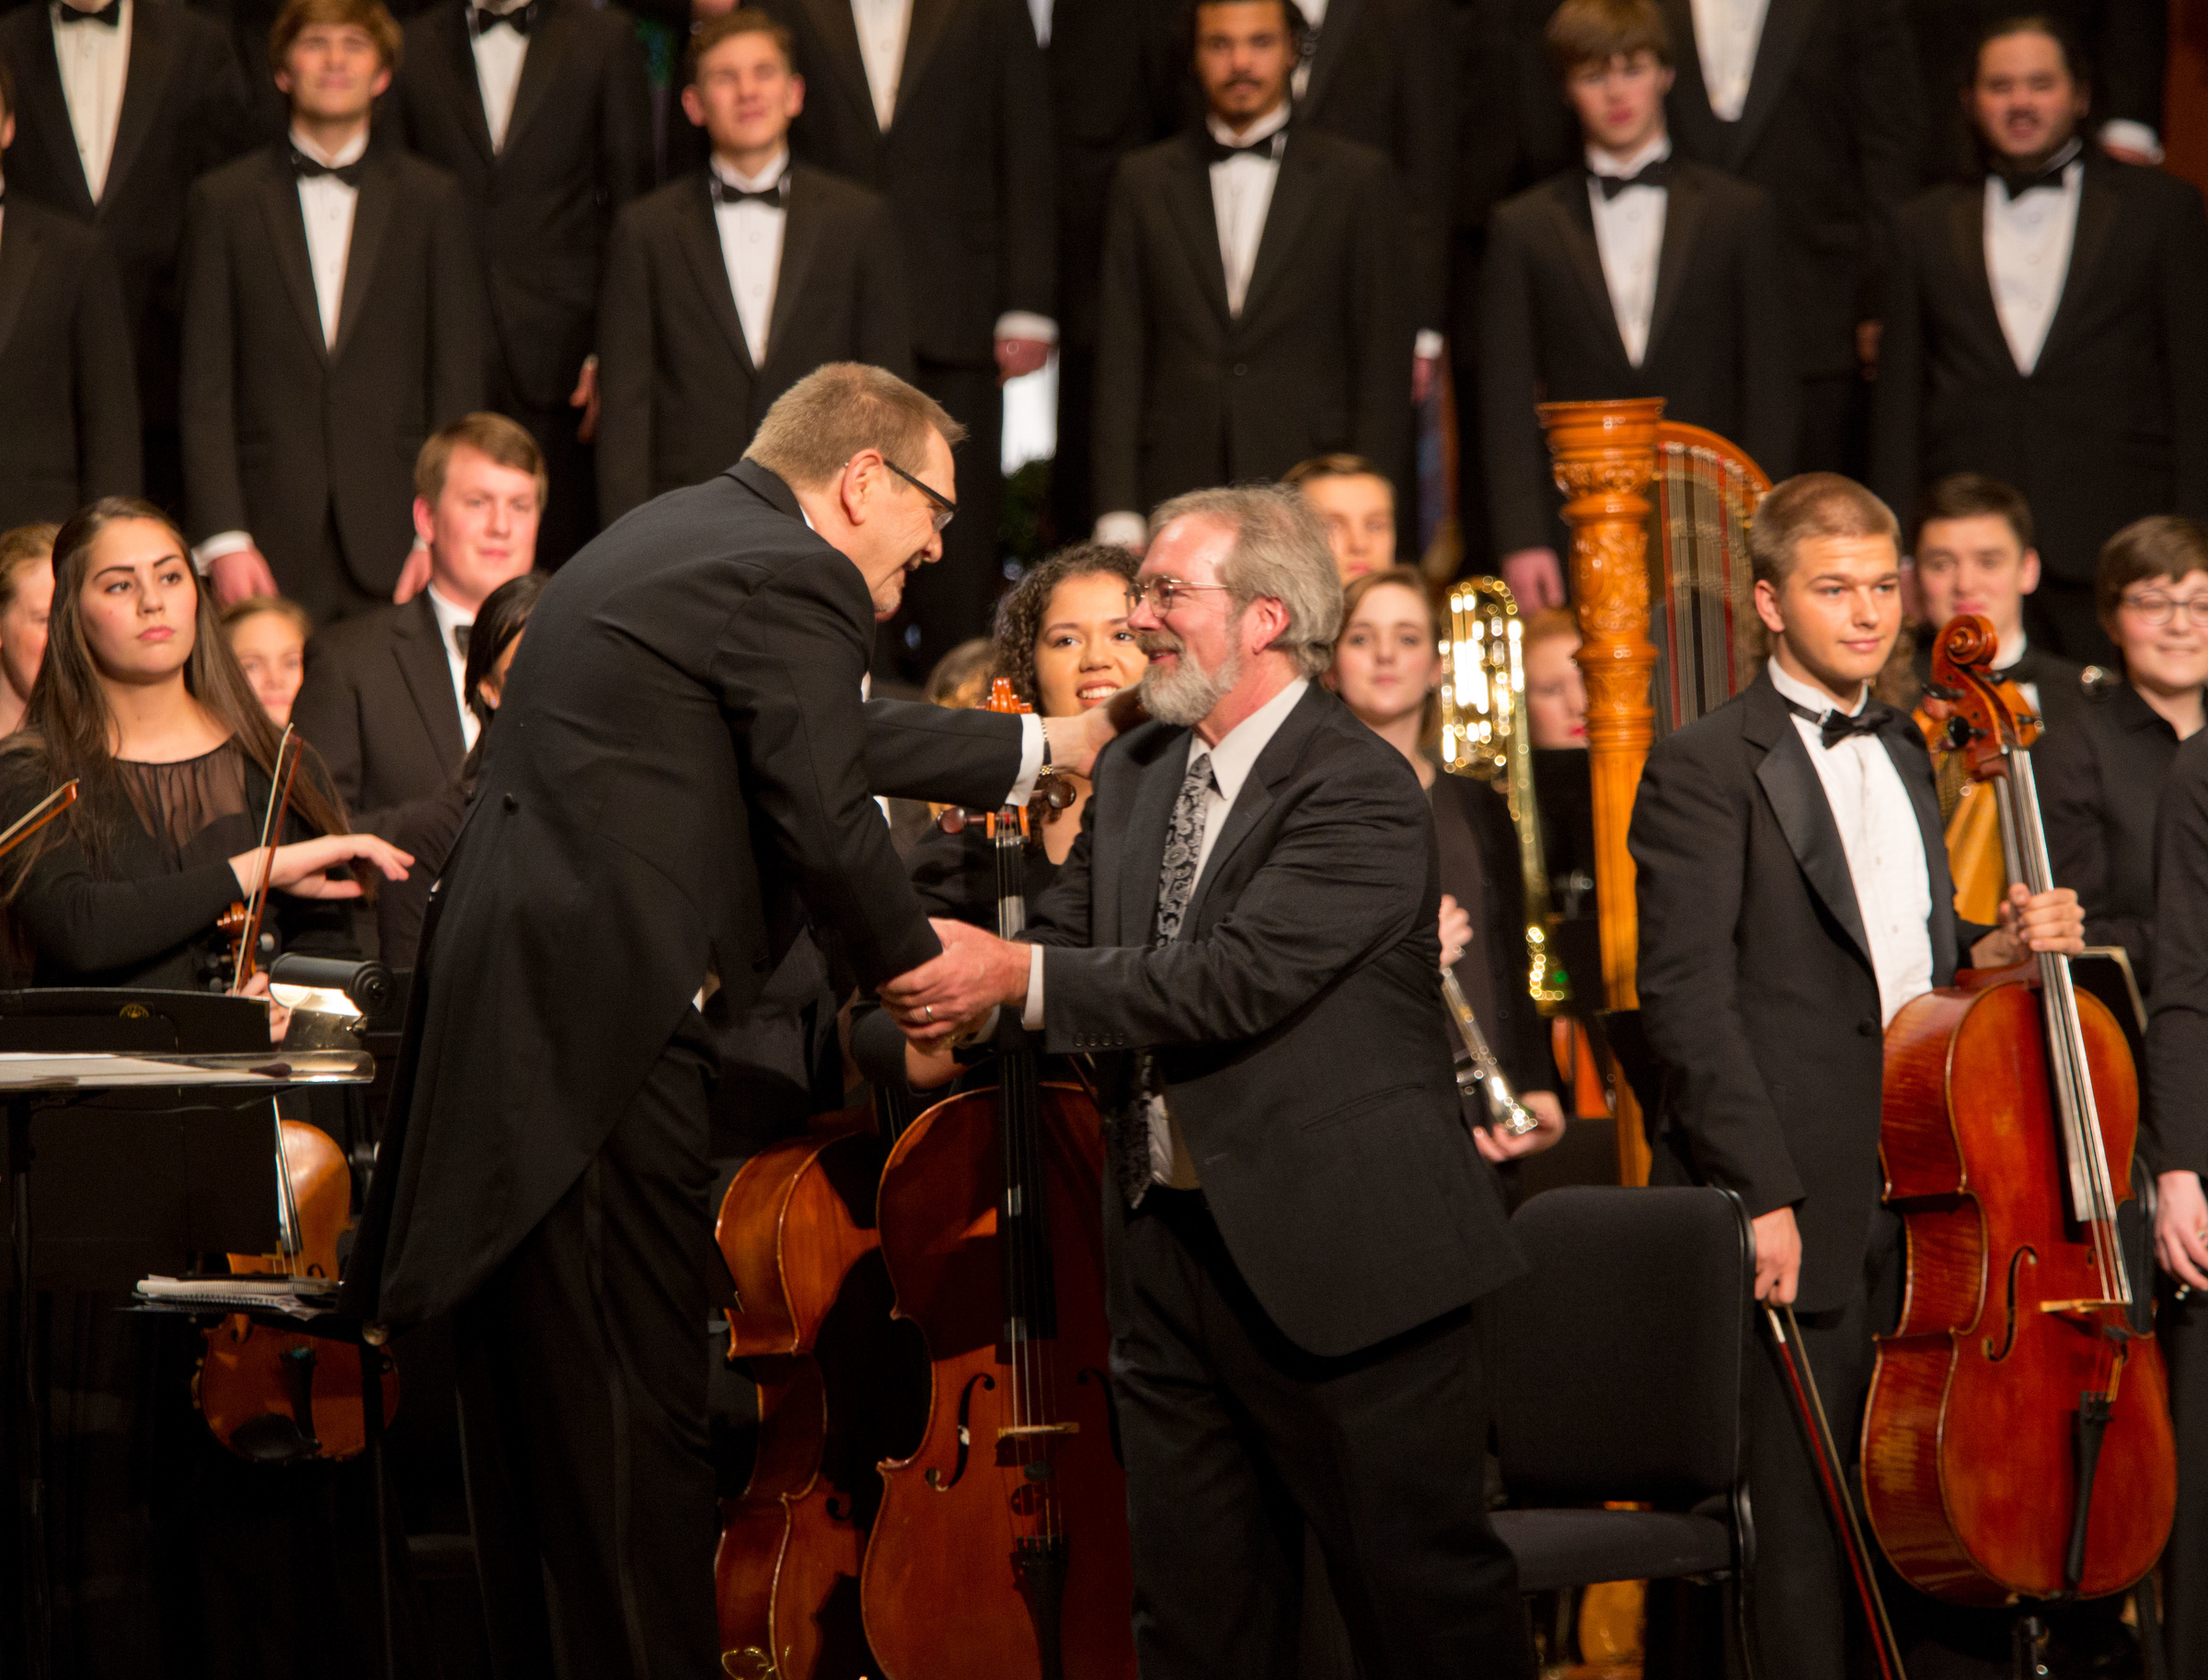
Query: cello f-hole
[958, 1468]
[2008, 1338]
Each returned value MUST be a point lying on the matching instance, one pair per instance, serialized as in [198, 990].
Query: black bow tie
[1658, 174]
[1834, 726]
[519, 20]
[307, 168]
[460, 636]
[109, 14]
[2017, 182]
[728, 192]
[1218, 151]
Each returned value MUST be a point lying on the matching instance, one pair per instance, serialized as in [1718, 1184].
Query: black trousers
[583, 1408]
[954, 599]
[2184, 1335]
[1235, 1438]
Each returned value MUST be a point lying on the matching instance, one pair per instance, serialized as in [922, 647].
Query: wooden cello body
[813, 1323]
[1001, 1547]
[2016, 1443]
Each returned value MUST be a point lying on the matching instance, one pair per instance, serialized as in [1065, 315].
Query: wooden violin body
[812, 1324]
[1970, 1463]
[959, 1582]
[273, 1396]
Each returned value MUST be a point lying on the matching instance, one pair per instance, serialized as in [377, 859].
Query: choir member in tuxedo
[1794, 894]
[943, 108]
[540, 110]
[2124, 41]
[1972, 548]
[26, 599]
[269, 636]
[333, 318]
[2101, 770]
[1297, 1228]
[385, 696]
[1253, 295]
[123, 105]
[1357, 504]
[1816, 102]
[726, 287]
[689, 683]
[1387, 670]
[69, 426]
[2174, 1140]
[2043, 326]
[1117, 73]
[1636, 274]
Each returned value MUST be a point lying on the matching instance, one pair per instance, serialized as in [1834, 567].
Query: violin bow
[1824, 1455]
[38, 816]
[271, 833]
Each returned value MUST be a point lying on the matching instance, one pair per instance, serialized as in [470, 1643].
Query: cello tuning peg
[1940, 691]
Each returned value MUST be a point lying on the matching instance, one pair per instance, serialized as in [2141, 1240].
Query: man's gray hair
[840, 408]
[1280, 554]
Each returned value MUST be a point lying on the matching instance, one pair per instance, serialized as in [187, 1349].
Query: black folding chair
[1621, 1376]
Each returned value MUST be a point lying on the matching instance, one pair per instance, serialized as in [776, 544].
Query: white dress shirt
[451, 618]
[2028, 258]
[1315, 19]
[750, 248]
[93, 59]
[499, 55]
[1885, 847]
[1727, 33]
[882, 27]
[1241, 194]
[327, 203]
[1628, 233]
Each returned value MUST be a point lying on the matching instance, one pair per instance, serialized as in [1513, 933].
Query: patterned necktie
[1176, 883]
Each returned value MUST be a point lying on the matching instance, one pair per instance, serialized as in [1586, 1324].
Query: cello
[1001, 1546]
[266, 1394]
[2016, 1443]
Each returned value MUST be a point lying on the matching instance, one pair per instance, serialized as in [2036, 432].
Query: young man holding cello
[1794, 894]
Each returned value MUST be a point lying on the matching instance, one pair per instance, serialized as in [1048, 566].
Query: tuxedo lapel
[1966, 250]
[1790, 782]
[1913, 765]
[1294, 197]
[920, 38]
[551, 41]
[286, 223]
[370, 219]
[46, 112]
[1333, 45]
[840, 36]
[145, 81]
[428, 674]
[2097, 213]
[19, 254]
[1189, 202]
[458, 53]
[1143, 848]
[700, 236]
[801, 243]
[1574, 220]
[1275, 763]
[1684, 210]
[1786, 32]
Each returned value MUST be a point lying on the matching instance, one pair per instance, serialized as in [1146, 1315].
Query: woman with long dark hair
[141, 701]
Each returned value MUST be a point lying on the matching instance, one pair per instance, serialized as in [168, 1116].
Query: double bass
[2017, 1445]
[1001, 1546]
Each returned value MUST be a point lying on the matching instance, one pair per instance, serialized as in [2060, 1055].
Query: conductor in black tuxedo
[1294, 1221]
[943, 108]
[150, 99]
[1254, 308]
[69, 422]
[540, 110]
[1636, 274]
[332, 320]
[679, 780]
[1817, 102]
[2044, 328]
[1794, 894]
[382, 696]
[726, 287]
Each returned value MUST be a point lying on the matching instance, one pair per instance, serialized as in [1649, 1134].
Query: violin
[2016, 1443]
[1001, 1546]
[266, 1394]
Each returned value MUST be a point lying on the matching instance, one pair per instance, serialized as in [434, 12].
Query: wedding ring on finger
[928, 1011]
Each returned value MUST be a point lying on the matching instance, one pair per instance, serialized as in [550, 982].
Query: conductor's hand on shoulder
[2033, 922]
[1778, 1256]
[1076, 741]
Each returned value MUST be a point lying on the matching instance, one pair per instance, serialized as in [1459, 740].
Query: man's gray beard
[1186, 694]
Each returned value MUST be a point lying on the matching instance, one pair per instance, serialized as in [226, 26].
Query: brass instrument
[1485, 733]
[1505, 1113]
